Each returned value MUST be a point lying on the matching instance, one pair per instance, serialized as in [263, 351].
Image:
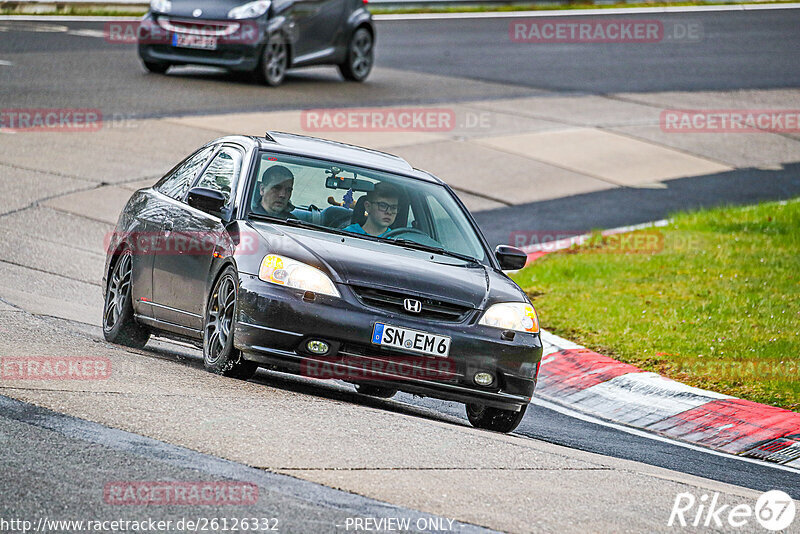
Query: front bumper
[240, 51]
[275, 323]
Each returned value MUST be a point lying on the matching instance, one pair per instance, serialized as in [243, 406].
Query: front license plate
[404, 338]
[203, 42]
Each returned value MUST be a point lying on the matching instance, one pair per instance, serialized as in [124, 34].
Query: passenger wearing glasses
[381, 210]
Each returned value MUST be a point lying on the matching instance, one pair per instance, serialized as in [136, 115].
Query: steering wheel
[426, 239]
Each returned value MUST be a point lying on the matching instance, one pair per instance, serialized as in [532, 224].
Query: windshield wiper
[298, 222]
[262, 217]
[431, 248]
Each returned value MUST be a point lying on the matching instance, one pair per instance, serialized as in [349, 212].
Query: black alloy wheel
[119, 324]
[274, 62]
[360, 57]
[219, 355]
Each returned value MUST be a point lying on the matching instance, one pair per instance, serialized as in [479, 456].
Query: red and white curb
[588, 382]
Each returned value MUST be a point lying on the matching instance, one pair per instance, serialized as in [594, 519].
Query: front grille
[393, 301]
[372, 358]
[199, 27]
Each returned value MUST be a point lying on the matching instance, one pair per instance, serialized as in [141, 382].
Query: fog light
[317, 347]
[483, 378]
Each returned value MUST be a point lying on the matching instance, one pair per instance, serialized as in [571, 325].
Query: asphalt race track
[58, 64]
[739, 51]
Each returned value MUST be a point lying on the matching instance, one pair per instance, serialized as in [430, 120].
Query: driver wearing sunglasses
[381, 206]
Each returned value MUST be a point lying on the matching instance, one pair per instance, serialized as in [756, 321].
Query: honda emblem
[413, 306]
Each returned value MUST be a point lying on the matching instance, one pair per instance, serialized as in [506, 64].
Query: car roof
[343, 152]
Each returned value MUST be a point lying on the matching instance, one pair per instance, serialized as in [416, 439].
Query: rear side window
[176, 184]
[221, 173]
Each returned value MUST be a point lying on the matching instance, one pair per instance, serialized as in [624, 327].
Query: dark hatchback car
[327, 260]
[263, 37]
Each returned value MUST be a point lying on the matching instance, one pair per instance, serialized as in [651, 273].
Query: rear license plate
[204, 42]
[404, 338]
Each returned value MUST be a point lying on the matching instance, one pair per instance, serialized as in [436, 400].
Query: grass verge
[715, 304]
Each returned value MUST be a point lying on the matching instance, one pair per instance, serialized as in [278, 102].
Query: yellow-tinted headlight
[518, 316]
[287, 272]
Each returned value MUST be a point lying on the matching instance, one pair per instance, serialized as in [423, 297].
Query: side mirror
[207, 200]
[510, 258]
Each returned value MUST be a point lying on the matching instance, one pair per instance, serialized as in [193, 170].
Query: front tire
[274, 63]
[156, 68]
[219, 355]
[119, 324]
[360, 57]
[494, 419]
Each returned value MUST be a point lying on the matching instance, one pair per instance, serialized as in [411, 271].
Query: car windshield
[364, 202]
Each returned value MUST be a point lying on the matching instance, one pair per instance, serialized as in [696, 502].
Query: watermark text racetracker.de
[205, 33]
[60, 120]
[648, 241]
[412, 119]
[192, 493]
[741, 369]
[51, 119]
[368, 369]
[602, 31]
[55, 368]
[730, 120]
[185, 243]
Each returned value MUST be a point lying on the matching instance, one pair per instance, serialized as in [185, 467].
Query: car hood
[212, 9]
[362, 262]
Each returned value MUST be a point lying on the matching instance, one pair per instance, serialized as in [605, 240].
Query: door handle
[168, 226]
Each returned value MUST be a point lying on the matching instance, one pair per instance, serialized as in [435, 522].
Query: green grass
[543, 6]
[717, 308]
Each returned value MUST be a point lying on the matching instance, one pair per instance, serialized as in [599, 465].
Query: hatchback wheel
[360, 56]
[494, 418]
[119, 325]
[219, 355]
[271, 70]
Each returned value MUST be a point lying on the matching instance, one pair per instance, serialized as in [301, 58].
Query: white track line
[100, 34]
[584, 12]
[538, 401]
[4, 63]
[480, 15]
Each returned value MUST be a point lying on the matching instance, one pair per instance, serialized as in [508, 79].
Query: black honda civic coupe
[330, 261]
